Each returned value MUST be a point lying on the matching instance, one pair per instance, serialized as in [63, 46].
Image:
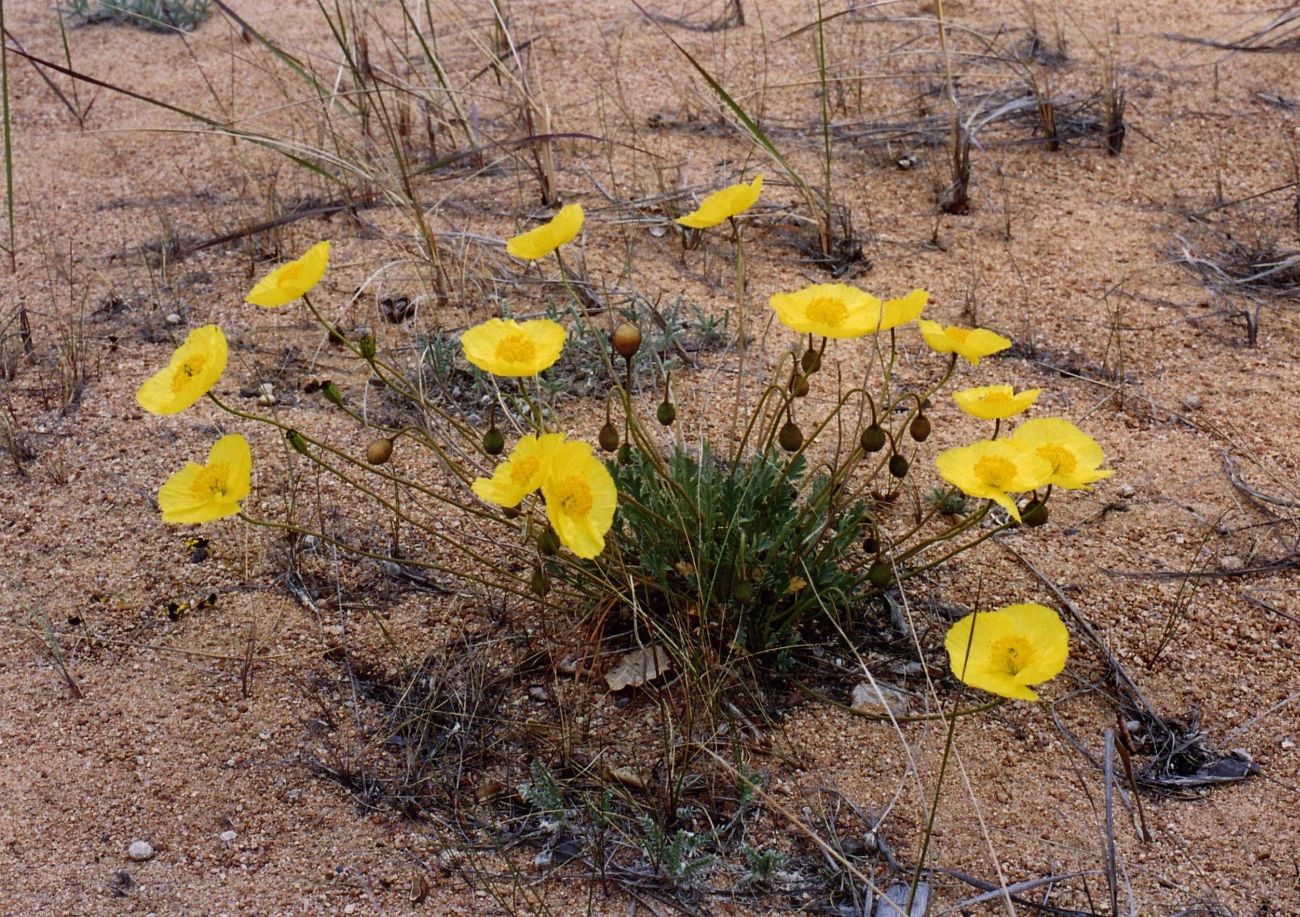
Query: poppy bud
[608, 437]
[625, 454]
[540, 583]
[898, 466]
[874, 438]
[296, 440]
[626, 340]
[743, 591]
[332, 393]
[666, 413]
[790, 437]
[547, 541]
[799, 386]
[871, 544]
[367, 347]
[811, 361]
[493, 441]
[880, 575]
[379, 451]
[1034, 514]
[920, 428]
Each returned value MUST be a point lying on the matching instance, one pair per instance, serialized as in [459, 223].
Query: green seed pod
[666, 413]
[874, 438]
[790, 437]
[608, 437]
[296, 440]
[332, 393]
[367, 347]
[811, 361]
[1034, 514]
[920, 428]
[493, 442]
[626, 340]
[880, 575]
[547, 541]
[379, 451]
[540, 583]
[898, 466]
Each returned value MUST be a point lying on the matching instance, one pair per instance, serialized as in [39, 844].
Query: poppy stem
[740, 322]
[934, 810]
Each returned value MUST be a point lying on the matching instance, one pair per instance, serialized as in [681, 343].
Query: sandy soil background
[165, 744]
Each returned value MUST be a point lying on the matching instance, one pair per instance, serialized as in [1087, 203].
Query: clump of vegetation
[154, 15]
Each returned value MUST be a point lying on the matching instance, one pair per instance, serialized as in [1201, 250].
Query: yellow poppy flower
[974, 344]
[721, 206]
[992, 469]
[1005, 651]
[293, 280]
[1074, 456]
[995, 402]
[194, 368]
[521, 473]
[580, 498]
[833, 310]
[510, 348]
[540, 242]
[897, 312]
[205, 493]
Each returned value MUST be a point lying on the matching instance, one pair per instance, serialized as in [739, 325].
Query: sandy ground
[165, 745]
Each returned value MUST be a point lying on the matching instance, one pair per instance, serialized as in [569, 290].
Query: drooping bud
[666, 413]
[367, 347]
[898, 466]
[332, 394]
[626, 340]
[790, 437]
[874, 438]
[871, 544]
[379, 451]
[540, 583]
[1034, 514]
[608, 437]
[493, 441]
[547, 541]
[811, 361]
[296, 440]
[920, 428]
[880, 574]
[625, 454]
[799, 386]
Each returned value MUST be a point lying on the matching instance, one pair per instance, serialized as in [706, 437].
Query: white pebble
[173, 318]
[1127, 490]
[266, 394]
[140, 851]
[228, 837]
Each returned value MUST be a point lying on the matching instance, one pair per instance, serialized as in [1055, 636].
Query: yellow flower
[721, 206]
[972, 343]
[995, 402]
[521, 473]
[510, 348]
[1005, 651]
[540, 242]
[1073, 454]
[580, 498]
[194, 368]
[833, 310]
[205, 493]
[293, 280]
[992, 469]
[897, 312]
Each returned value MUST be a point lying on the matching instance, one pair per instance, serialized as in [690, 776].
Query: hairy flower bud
[1034, 514]
[367, 347]
[296, 440]
[379, 451]
[332, 393]
[898, 466]
[790, 437]
[880, 574]
[547, 541]
[920, 428]
[799, 386]
[626, 340]
[666, 413]
[493, 442]
[608, 437]
[874, 438]
[811, 361]
[540, 583]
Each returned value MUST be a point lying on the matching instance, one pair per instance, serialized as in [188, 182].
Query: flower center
[1062, 459]
[997, 399]
[289, 274]
[188, 369]
[827, 310]
[1012, 654]
[516, 347]
[523, 469]
[958, 335]
[575, 497]
[210, 482]
[996, 471]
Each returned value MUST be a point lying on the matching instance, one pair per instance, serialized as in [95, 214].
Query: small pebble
[266, 394]
[1287, 745]
[1126, 491]
[173, 318]
[538, 693]
[1192, 402]
[140, 851]
[228, 837]
[1230, 562]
